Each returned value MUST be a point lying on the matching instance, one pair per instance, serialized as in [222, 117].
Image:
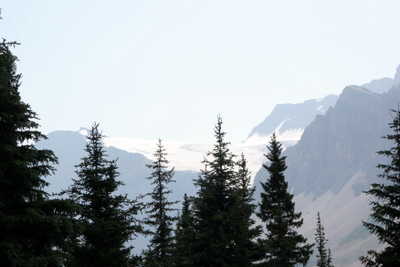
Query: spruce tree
[324, 256]
[107, 218]
[247, 249]
[221, 210]
[386, 205]
[159, 211]
[34, 229]
[184, 235]
[284, 246]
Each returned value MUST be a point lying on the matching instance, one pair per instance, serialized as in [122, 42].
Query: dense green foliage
[386, 206]
[324, 255]
[159, 211]
[284, 246]
[33, 228]
[107, 218]
[222, 211]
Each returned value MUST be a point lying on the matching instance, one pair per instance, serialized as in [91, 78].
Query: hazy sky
[148, 69]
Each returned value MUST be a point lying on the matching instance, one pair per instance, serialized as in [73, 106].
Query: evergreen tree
[284, 246]
[221, 210]
[107, 218]
[34, 229]
[247, 250]
[159, 252]
[386, 206]
[324, 256]
[184, 235]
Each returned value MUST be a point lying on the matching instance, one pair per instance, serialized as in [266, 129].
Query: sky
[167, 69]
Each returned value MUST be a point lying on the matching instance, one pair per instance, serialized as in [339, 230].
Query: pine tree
[184, 235]
[221, 210]
[386, 206]
[34, 229]
[284, 246]
[159, 218]
[108, 219]
[324, 256]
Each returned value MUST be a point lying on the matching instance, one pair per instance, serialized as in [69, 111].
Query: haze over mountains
[331, 156]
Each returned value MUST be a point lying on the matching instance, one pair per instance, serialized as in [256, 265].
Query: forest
[89, 223]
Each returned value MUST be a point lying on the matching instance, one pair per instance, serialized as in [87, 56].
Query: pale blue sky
[150, 69]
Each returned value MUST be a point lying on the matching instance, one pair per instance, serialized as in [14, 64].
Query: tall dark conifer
[284, 246]
[386, 206]
[108, 219]
[34, 229]
[184, 235]
[212, 205]
[221, 209]
[159, 211]
[247, 249]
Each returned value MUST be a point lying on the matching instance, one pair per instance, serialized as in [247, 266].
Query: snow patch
[182, 156]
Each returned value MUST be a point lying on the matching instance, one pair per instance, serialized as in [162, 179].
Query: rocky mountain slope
[334, 161]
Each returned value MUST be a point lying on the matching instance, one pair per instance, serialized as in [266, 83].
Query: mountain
[289, 120]
[333, 162]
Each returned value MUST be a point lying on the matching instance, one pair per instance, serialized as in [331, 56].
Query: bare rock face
[334, 162]
[343, 141]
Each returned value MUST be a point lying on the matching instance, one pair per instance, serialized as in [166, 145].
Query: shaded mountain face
[343, 142]
[340, 143]
[334, 161]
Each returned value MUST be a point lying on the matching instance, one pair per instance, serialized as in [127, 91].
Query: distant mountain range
[330, 148]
